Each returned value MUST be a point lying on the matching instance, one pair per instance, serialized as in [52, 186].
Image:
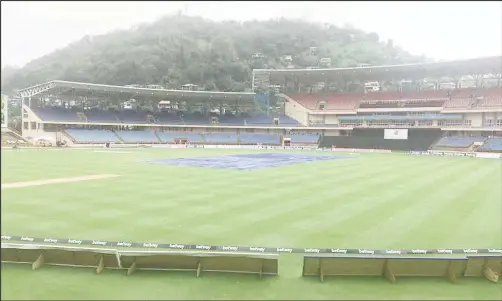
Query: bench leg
[39, 262]
[387, 273]
[321, 272]
[490, 275]
[131, 269]
[101, 265]
[199, 269]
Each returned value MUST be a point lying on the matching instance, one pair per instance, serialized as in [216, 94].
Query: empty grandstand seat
[259, 139]
[382, 96]
[167, 118]
[56, 114]
[428, 94]
[260, 119]
[458, 103]
[129, 116]
[92, 136]
[342, 101]
[196, 118]
[424, 103]
[489, 101]
[231, 119]
[169, 137]
[101, 116]
[463, 93]
[305, 138]
[286, 120]
[373, 104]
[221, 138]
[334, 101]
[492, 144]
[476, 97]
[138, 136]
[458, 141]
[309, 101]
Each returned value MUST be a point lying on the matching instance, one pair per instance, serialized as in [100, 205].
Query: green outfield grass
[374, 201]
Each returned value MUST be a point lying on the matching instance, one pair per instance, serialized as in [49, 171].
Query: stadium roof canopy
[86, 89]
[486, 65]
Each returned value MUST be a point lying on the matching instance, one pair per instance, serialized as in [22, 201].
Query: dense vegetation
[179, 50]
[3, 110]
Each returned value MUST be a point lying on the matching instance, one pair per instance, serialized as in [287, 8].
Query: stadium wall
[297, 112]
[331, 119]
[476, 119]
[418, 139]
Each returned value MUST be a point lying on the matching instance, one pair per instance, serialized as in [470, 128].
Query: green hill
[179, 50]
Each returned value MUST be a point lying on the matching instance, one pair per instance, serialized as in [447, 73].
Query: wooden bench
[40, 255]
[243, 263]
[389, 267]
[488, 266]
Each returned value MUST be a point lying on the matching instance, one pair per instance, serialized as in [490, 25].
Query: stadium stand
[262, 119]
[383, 96]
[492, 145]
[92, 136]
[458, 141]
[56, 114]
[457, 106]
[286, 120]
[260, 139]
[130, 116]
[335, 101]
[138, 136]
[305, 138]
[101, 116]
[11, 138]
[490, 102]
[149, 136]
[461, 98]
[458, 103]
[221, 138]
[195, 118]
[167, 118]
[171, 137]
[231, 119]
[309, 101]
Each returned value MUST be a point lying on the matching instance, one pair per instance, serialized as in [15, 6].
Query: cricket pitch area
[288, 199]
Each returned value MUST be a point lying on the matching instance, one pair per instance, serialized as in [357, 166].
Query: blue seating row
[149, 136]
[459, 141]
[127, 116]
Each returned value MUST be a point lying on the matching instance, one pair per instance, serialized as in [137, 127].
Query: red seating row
[476, 98]
[337, 101]
[463, 98]
[458, 103]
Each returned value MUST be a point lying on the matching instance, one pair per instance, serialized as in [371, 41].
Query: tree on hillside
[179, 50]
[3, 110]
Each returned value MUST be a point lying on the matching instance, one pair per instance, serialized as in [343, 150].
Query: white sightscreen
[396, 134]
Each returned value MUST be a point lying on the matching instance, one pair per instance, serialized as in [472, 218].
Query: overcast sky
[441, 30]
